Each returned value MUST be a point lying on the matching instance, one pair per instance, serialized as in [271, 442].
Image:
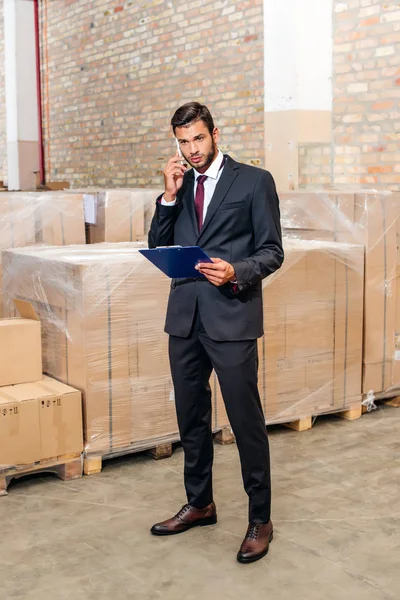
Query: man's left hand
[218, 272]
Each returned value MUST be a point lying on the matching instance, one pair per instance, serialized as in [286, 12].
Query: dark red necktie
[199, 200]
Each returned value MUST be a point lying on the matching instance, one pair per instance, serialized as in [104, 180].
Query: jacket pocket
[231, 205]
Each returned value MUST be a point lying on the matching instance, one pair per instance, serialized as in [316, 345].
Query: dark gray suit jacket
[242, 226]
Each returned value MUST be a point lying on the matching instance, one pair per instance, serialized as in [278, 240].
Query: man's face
[198, 146]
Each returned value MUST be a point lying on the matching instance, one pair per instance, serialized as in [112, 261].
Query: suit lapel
[228, 176]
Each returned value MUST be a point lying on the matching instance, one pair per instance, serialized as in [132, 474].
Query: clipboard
[177, 261]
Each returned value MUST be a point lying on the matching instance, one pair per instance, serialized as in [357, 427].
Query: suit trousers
[192, 360]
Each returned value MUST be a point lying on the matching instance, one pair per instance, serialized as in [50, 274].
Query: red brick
[381, 169]
[250, 38]
[383, 105]
[369, 22]
[368, 180]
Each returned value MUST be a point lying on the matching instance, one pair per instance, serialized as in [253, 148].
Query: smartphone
[179, 151]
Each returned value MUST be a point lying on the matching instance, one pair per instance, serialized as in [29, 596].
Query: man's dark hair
[191, 112]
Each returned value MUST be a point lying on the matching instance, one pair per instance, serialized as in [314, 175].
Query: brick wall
[315, 166]
[113, 74]
[3, 138]
[366, 115]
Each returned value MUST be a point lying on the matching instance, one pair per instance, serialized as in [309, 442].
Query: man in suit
[231, 210]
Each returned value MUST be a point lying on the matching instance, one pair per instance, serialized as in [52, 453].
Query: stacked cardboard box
[40, 419]
[102, 309]
[311, 354]
[119, 215]
[370, 219]
[40, 218]
[20, 347]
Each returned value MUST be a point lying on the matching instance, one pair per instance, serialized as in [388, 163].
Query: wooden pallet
[93, 463]
[307, 422]
[66, 467]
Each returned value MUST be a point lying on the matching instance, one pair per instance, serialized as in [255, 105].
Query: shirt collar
[213, 169]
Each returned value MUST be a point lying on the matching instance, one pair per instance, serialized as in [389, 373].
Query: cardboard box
[60, 219]
[19, 429]
[310, 357]
[28, 218]
[39, 421]
[378, 215]
[17, 225]
[370, 219]
[20, 347]
[331, 214]
[60, 414]
[317, 307]
[52, 218]
[122, 215]
[103, 313]
[103, 333]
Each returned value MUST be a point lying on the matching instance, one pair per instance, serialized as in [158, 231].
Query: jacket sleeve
[268, 251]
[162, 225]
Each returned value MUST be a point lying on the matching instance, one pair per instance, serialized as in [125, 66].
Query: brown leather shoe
[256, 542]
[185, 519]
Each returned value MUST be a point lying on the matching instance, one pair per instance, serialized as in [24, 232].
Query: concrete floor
[336, 514]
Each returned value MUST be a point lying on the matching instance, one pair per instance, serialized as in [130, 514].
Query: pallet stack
[310, 357]
[118, 215]
[330, 317]
[102, 309]
[372, 220]
[30, 218]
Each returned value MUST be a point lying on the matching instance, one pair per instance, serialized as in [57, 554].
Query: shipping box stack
[102, 309]
[372, 220]
[41, 421]
[310, 357]
[52, 218]
[118, 215]
[40, 418]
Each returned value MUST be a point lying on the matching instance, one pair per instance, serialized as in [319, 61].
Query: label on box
[397, 355]
[4, 412]
[172, 396]
[51, 402]
[90, 208]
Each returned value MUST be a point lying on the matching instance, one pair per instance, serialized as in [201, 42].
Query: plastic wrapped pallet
[311, 354]
[102, 309]
[370, 219]
[119, 215]
[40, 218]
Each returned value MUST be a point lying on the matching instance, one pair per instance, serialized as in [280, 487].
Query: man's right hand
[173, 177]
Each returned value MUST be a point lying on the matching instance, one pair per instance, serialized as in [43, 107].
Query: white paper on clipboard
[90, 208]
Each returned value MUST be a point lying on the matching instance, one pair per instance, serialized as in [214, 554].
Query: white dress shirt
[213, 174]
